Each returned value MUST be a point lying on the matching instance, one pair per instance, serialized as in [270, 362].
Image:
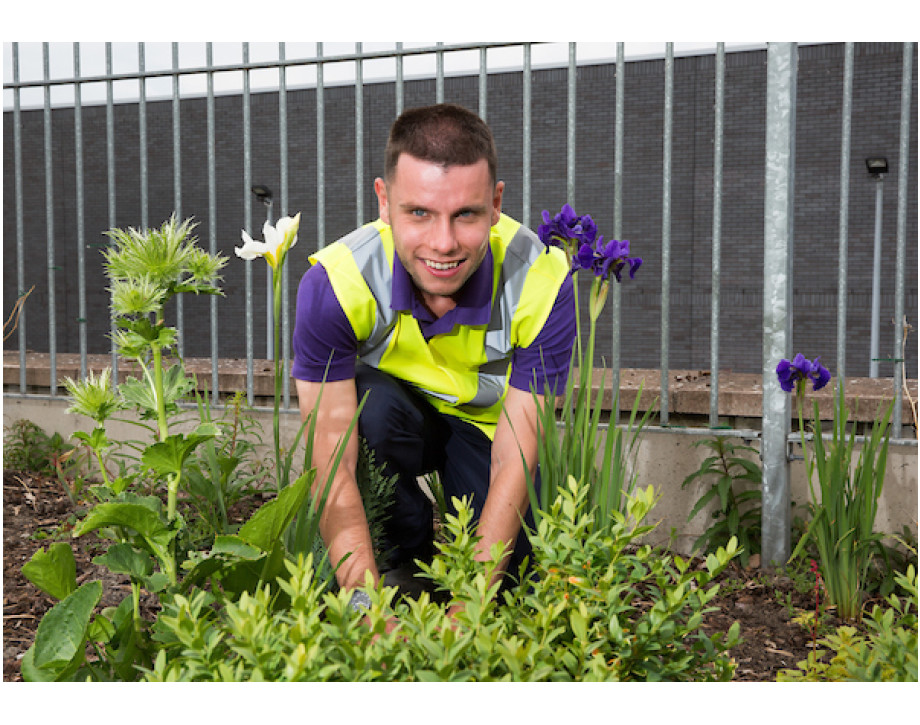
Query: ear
[497, 202]
[380, 188]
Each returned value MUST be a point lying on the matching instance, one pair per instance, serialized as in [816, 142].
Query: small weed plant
[737, 506]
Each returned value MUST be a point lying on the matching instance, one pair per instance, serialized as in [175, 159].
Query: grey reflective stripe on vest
[372, 261]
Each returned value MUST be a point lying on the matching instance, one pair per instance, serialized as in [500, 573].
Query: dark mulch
[762, 603]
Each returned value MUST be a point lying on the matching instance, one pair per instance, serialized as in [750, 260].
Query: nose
[442, 239]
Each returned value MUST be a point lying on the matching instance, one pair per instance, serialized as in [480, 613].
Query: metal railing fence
[779, 155]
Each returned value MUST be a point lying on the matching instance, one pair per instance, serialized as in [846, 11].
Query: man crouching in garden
[446, 313]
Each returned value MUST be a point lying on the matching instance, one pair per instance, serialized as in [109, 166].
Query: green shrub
[598, 606]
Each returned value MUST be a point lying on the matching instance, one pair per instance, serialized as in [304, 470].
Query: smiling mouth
[442, 266]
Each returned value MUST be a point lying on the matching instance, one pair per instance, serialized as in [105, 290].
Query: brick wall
[875, 129]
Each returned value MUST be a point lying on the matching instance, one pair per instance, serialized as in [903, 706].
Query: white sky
[193, 54]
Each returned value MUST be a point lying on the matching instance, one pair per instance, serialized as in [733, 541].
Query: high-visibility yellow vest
[465, 372]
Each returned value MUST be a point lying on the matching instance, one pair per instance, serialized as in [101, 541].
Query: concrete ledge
[740, 398]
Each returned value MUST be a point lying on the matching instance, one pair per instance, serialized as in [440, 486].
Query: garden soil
[763, 604]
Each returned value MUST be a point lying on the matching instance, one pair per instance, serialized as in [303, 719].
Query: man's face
[441, 217]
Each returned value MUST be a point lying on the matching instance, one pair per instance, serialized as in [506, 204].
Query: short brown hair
[444, 134]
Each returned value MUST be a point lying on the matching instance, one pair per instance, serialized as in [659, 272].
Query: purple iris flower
[613, 257]
[790, 373]
[567, 229]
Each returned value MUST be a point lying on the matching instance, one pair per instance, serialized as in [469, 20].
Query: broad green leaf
[267, 524]
[53, 571]
[237, 547]
[60, 636]
[125, 559]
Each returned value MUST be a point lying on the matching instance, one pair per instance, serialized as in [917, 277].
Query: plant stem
[158, 392]
[279, 371]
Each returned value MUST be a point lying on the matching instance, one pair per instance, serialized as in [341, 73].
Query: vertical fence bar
[20, 237]
[666, 232]
[212, 218]
[613, 297]
[570, 128]
[439, 74]
[718, 133]
[320, 152]
[777, 297]
[49, 220]
[285, 351]
[177, 185]
[81, 235]
[483, 84]
[247, 220]
[844, 214]
[903, 157]
[359, 136]
[526, 90]
[399, 79]
[110, 175]
[142, 127]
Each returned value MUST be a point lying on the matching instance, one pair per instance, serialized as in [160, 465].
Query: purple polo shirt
[323, 335]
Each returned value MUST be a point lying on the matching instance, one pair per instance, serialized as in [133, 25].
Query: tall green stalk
[845, 503]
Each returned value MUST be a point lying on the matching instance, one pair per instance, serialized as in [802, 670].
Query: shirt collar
[474, 301]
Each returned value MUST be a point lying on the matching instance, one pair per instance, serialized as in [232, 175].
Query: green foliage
[737, 513]
[26, 447]
[844, 507]
[377, 493]
[601, 606]
[886, 653]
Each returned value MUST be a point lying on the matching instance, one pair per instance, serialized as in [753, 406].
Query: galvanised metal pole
[903, 156]
[483, 84]
[177, 182]
[359, 137]
[110, 176]
[49, 221]
[81, 236]
[777, 298]
[399, 79]
[526, 89]
[320, 152]
[285, 350]
[247, 222]
[439, 74]
[876, 279]
[571, 125]
[212, 220]
[20, 237]
[613, 297]
[142, 130]
[842, 254]
[717, 143]
[666, 231]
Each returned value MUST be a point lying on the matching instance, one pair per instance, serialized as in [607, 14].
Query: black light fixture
[877, 166]
[263, 194]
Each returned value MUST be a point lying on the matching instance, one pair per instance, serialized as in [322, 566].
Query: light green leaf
[53, 571]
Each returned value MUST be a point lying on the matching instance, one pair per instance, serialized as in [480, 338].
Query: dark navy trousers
[409, 439]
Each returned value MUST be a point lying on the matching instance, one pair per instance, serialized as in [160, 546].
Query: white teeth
[442, 265]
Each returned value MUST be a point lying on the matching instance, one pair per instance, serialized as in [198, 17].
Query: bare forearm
[343, 523]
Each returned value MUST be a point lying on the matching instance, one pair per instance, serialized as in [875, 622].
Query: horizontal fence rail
[779, 184]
